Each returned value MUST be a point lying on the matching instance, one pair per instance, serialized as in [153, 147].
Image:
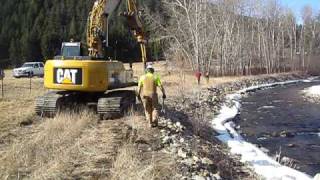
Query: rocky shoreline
[187, 132]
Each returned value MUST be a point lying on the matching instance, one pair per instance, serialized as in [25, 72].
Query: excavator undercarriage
[110, 105]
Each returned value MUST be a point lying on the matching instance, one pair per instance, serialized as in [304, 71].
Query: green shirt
[156, 79]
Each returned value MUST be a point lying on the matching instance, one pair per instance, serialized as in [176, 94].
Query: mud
[284, 122]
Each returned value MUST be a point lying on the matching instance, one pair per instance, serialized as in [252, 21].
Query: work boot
[154, 125]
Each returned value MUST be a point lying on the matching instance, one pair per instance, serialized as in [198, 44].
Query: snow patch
[267, 107]
[260, 161]
[313, 91]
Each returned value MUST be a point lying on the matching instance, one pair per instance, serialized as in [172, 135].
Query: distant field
[18, 100]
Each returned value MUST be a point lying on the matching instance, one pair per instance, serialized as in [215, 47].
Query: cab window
[41, 65]
[69, 51]
[36, 66]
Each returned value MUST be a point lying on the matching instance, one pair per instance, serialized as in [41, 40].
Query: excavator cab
[71, 49]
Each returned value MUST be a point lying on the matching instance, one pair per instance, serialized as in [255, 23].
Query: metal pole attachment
[2, 90]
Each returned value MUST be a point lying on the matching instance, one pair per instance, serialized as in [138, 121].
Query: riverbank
[197, 109]
[231, 112]
[284, 125]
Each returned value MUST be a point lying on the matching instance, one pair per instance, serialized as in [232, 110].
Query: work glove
[164, 96]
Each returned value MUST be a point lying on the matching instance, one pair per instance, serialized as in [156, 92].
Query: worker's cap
[149, 66]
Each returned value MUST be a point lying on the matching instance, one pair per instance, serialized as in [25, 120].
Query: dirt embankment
[78, 146]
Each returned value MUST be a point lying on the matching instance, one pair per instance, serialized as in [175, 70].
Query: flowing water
[282, 120]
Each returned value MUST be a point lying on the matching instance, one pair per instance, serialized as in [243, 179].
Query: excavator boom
[111, 6]
[97, 30]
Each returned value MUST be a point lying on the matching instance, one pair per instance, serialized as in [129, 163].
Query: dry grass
[178, 82]
[41, 153]
[19, 89]
[135, 161]
[65, 147]
[176, 76]
[18, 102]
[129, 166]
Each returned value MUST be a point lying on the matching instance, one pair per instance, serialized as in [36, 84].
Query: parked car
[29, 69]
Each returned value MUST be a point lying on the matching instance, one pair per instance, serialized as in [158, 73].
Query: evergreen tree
[73, 29]
[33, 30]
[14, 53]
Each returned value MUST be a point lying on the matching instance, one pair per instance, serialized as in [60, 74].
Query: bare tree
[236, 37]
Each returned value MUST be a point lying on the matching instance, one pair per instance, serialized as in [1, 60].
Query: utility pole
[2, 90]
[30, 83]
[115, 50]
[2, 77]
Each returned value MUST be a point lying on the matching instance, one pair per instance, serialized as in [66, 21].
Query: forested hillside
[32, 30]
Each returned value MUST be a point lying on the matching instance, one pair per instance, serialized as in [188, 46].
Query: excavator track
[115, 104]
[48, 105]
[111, 105]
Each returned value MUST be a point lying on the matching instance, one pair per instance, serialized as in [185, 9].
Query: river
[282, 120]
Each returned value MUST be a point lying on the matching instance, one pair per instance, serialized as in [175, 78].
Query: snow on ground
[266, 107]
[313, 91]
[263, 164]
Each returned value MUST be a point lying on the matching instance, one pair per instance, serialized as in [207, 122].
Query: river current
[283, 121]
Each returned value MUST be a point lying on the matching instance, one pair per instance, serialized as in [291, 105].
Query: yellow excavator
[74, 79]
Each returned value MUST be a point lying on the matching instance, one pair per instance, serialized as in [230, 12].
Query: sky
[297, 5]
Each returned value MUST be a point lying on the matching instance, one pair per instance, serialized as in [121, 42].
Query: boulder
[188, 162]
[166, 140]
[206, 161]
[182, 153]
[197, 177]
[196, 159]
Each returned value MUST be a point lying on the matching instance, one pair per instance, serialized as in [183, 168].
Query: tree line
[237, 37]
[33, 30]
[234, 37]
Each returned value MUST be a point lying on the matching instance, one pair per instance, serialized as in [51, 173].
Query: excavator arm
[97, 30]
[137, 28]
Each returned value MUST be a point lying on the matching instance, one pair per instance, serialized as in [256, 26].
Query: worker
[207, 76]
[198, 75]
[148, 84]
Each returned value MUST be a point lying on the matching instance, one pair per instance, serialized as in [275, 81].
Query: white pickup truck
[29, 69]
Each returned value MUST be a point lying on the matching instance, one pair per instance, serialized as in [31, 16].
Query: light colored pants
[150, 109]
